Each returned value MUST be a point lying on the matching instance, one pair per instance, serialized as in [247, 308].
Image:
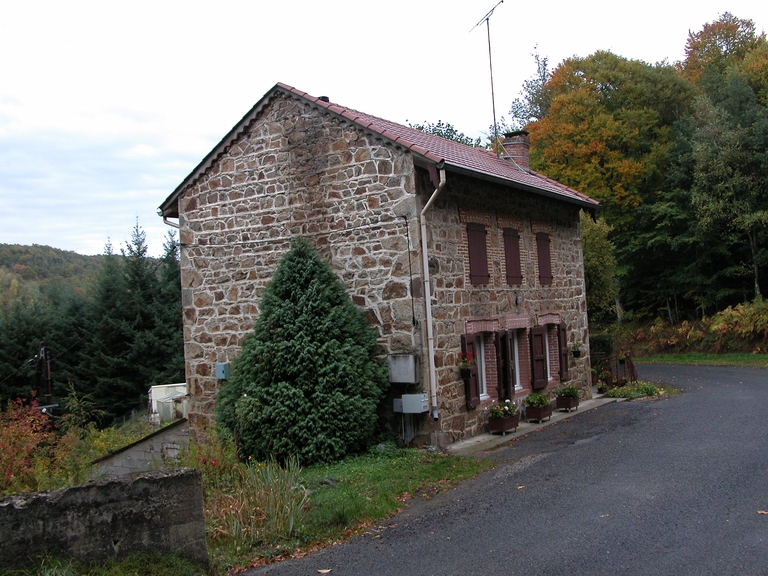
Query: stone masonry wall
[298, 170]
[459, 307]
[295, 171]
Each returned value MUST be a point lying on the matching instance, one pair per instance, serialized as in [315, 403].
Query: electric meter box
[415, 403]
[403, 368]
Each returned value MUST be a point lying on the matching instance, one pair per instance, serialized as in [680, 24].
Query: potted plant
[576, 349]
[466, 361]
[537, 406]
[604, 380]
[503, 417]
[567, 398]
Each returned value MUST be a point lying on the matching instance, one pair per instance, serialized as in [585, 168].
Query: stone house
[400, 215]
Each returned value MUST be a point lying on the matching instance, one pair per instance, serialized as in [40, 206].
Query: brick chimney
[516, 145]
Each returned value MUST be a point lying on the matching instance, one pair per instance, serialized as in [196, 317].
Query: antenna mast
[487, 19]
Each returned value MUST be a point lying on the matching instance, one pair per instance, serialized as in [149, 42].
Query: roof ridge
[472, 160]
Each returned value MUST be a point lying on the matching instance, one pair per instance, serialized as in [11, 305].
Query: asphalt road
[668, 486]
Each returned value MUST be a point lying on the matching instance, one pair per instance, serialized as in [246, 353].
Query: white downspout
[165, 219]
[428, 297]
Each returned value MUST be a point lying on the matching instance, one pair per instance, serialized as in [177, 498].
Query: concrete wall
[150, 453]
[158, 512]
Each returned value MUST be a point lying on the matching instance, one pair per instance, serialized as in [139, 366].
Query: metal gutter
[428, 294]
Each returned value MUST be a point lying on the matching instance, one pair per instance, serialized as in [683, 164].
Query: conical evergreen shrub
[307, 382]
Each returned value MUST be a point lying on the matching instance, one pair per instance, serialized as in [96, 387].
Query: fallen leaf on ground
[520, 487]
[762, 512]
[323, 571]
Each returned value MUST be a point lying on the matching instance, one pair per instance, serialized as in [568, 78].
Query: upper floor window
[512, 256]
[545, 262]
[478, 254]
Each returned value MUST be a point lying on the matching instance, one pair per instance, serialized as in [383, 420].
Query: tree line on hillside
[110, 331]
[677, 155]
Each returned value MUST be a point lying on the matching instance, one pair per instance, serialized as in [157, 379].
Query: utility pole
[44, 358]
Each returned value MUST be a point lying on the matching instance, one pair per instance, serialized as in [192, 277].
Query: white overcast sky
[106, 106]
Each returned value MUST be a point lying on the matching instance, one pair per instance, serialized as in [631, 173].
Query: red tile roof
[477, 162]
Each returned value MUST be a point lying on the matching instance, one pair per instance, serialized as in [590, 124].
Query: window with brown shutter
[471, 386]
[505, 363]
[545, 262]
[478, 254]
[512, 256]
[539, 368]
[562, 341]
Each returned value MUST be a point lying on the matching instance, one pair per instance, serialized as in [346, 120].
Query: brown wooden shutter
[512, 256]
[505, 363]
[478, 254]
[538, 357]
[502, 385]
[562, 340]
[545, 262]
[471, 386]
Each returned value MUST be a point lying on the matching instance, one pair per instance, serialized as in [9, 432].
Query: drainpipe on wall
[428, 294]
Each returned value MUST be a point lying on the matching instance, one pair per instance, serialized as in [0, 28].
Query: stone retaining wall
[151, 512]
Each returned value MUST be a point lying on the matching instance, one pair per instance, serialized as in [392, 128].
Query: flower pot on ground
[503, 417]
[537, 407]
[567, 398]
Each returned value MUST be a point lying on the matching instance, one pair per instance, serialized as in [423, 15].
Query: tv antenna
[487, 19]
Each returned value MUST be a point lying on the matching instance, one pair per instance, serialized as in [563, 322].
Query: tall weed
[247, 504]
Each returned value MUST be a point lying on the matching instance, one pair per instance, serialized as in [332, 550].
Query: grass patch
[632, 390]
[363, 489]
[698, 359]
[345, 497]
[135, 565]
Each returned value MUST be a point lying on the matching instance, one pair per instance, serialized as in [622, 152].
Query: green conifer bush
[307, 382]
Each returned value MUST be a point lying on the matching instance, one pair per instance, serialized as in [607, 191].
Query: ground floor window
[482, 380]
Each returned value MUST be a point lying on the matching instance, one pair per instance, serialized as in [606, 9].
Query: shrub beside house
[447, 249]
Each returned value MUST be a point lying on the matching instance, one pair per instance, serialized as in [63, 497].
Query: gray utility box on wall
[412, 403]
[403, 368]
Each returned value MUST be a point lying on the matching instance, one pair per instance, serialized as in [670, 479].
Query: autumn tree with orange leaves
[686, 212]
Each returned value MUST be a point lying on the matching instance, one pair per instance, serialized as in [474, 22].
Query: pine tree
[168, 318]
[307, 382]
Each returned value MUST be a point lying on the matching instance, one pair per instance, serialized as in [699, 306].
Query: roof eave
[586, 205]
[170, 206]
